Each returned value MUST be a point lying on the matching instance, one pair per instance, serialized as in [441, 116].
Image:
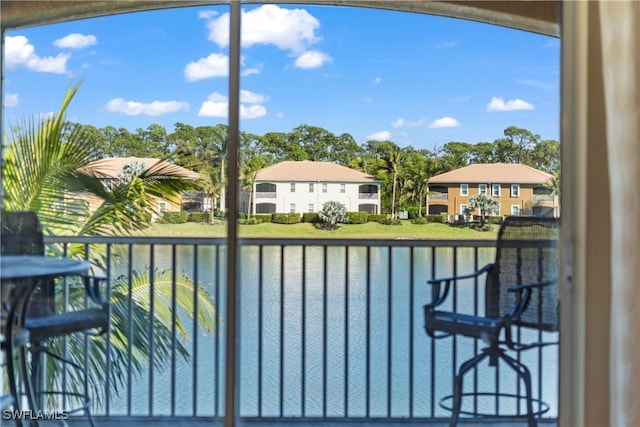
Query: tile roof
[308, 170]
[111, 167]
[498, 173]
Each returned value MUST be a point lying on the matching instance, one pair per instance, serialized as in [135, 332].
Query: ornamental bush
[285, 218]
[331, 214]
[174, 217]
[200, 217]
[357, 217]
[311, 217]
[376, 217]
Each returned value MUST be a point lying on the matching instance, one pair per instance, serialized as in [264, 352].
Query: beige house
[519, 189]
[115, 169]
[304, 186]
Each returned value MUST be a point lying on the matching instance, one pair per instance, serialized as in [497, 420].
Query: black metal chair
[520, 291]
[22, 235]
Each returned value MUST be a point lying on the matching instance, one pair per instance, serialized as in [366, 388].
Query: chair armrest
[523, 295]
[92, 288]
[439, 295]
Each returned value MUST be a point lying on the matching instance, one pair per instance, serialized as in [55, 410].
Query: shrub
[331, 214]
[311, 217]
[357, 217]
[263, 217]
[412, 212]
[285, 218]
[419, 220]
[174, 217]
[437, 218]
[376, 217]
[200, 217]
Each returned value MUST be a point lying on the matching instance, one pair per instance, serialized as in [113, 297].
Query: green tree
[485, 204]
[249, 171]
[44, 173]
[554, 186]
[389, 165]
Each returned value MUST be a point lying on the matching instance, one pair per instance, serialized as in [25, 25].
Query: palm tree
[389, 164]
[553, 185]
[45, 172]
[485, 204]
[249, 171]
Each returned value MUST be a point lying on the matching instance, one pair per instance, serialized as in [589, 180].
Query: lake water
[346, 343]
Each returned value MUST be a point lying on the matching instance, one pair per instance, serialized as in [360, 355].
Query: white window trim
[517, 187]
[324, 187]
[464, 189]
[515, 208]
[493, 194]
[480, 188]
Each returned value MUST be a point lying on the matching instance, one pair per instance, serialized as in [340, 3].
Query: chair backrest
[526, 252]
[21, 234]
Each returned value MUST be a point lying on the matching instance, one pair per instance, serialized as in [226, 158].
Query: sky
[417, 80]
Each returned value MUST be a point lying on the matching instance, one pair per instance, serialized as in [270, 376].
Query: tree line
[403, 170]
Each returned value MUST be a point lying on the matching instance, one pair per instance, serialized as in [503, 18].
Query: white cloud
[288, 29]
[11, 99]
[280, 115]
[444, 122]
[312, 59]
[251, 97]
[19, 53]
[377, 80]
[553, 43]
[498, 104]
[208, 14]
[76, 41]
[254, 111]
[291, 30]
[155, 108]
[379, 136]
[214, 65]
[217, 105]
[401, 122]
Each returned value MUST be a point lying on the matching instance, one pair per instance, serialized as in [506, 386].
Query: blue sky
[413, 79]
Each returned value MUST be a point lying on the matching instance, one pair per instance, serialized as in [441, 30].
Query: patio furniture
[520, 291]
[23, 253]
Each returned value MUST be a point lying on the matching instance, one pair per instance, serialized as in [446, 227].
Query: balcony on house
[331, 333]
[265, 191]
[368, 191]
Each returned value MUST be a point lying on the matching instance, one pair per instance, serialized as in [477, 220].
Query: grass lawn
[370, 230]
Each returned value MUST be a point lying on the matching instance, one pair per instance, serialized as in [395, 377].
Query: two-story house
[519, 189]
[113, 170]
[304, 186]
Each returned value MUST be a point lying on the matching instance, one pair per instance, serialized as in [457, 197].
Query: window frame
[493, 188]
[464, 190]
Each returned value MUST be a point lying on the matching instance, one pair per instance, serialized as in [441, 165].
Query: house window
[311, 187]
[343, 187]
[292, 187]
[495, 190]
[310, 207]
[482, 189]
[292, 208]
[515, 209]
[463, 209]
[515, 190]
[464, 189]
[162, 206]
[324, 187]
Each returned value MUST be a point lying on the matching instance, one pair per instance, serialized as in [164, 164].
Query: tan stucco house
[113, 169]
[519, 189]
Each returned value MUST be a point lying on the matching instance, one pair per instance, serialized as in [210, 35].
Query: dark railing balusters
[373, 278]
